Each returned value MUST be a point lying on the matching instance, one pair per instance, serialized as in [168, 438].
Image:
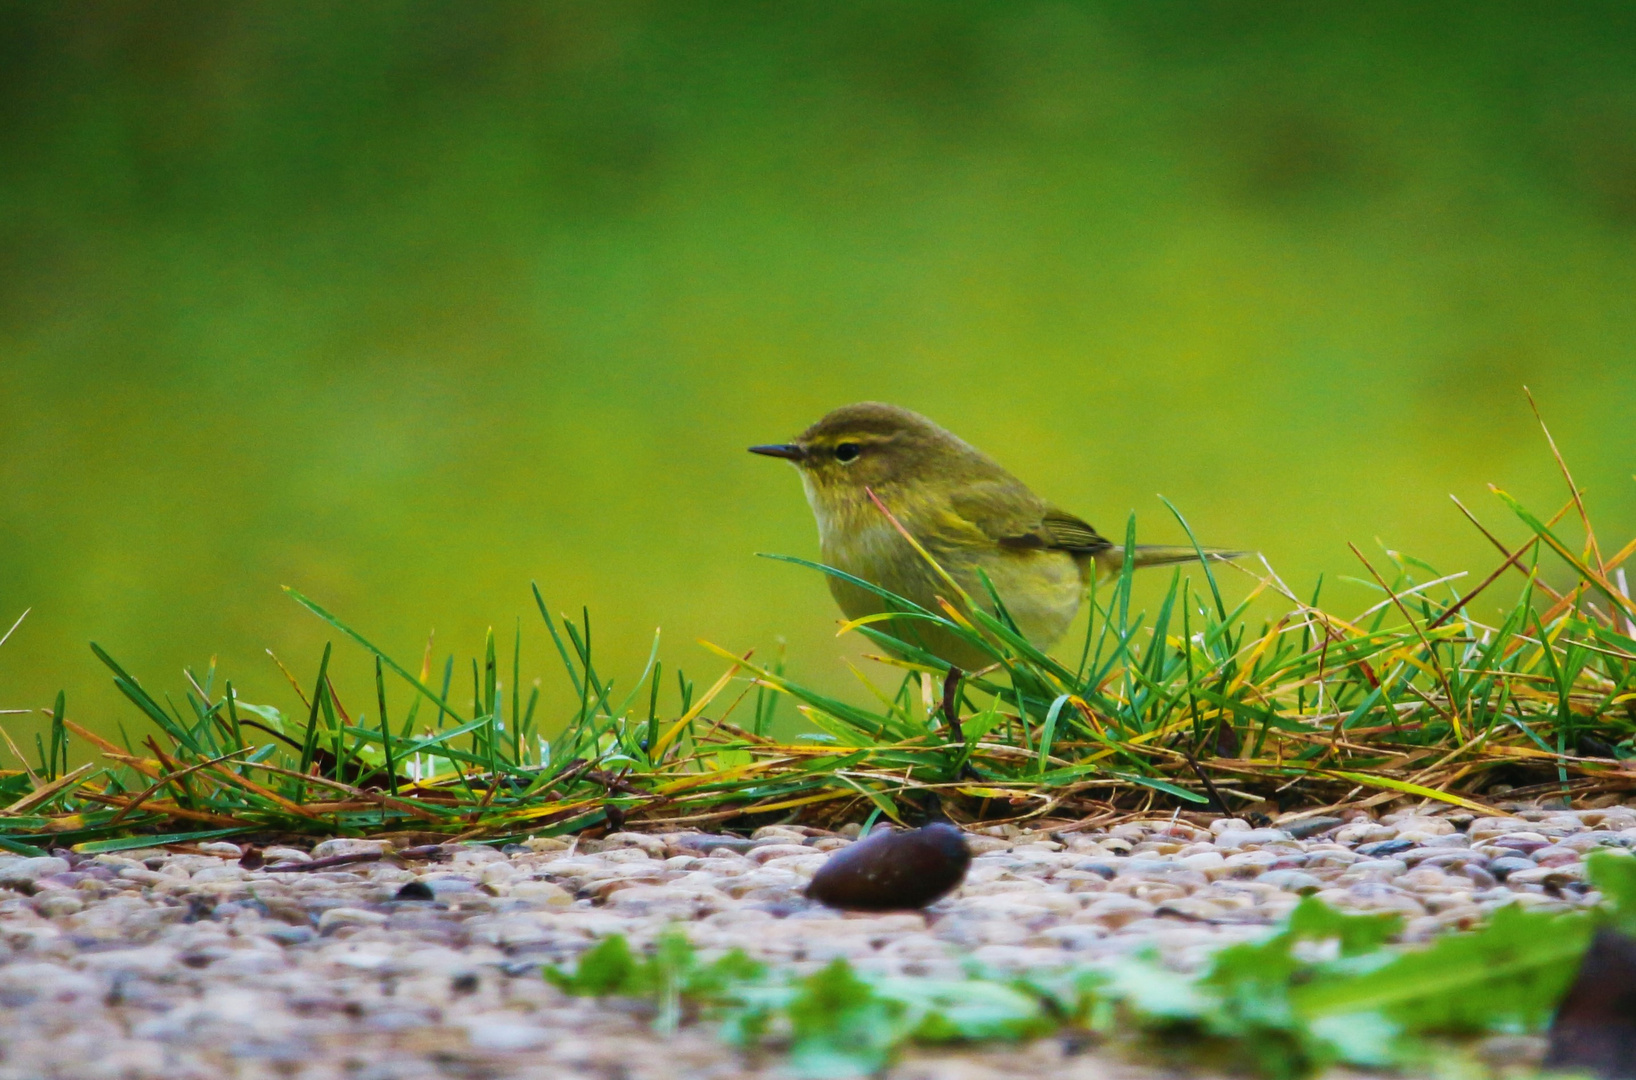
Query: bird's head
[873, 445]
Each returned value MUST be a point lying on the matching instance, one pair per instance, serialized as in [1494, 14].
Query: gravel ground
[175, 965]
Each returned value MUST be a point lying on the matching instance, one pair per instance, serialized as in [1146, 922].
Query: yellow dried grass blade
[865, 620]
[1406, 788]
[828, 796]
[1255, 654]
[676, 729]
[41, 794]
[954, 613]
[906, 665]
[546, 810]
[723, 775]
[990, 792]
[1405, 656]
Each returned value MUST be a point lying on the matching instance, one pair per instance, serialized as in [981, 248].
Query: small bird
[964, 509]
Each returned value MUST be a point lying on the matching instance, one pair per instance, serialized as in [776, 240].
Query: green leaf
[1509, 974]
[1368, 1039]
[1252, 981]
[1151, 991]
[671, 963]
[976, 726]
[608, 968]
[841, 1027]
[948, 1010]
[1314, 920]
[1614, 873]
[672, 975]
[716, 980]
[267, 714]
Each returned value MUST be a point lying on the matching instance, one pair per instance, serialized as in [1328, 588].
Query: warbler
[967, 512]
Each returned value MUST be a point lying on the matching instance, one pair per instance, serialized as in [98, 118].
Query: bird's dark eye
[847, 452]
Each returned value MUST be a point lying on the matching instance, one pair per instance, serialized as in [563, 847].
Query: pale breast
[881, 557]
[1041, 589]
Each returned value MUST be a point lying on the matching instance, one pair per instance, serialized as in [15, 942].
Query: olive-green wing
[1068, 533]
[1014, 517]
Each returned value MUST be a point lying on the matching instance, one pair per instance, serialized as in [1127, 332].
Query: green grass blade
[361, 640]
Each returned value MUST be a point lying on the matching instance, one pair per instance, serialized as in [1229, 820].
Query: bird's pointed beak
[787, 451]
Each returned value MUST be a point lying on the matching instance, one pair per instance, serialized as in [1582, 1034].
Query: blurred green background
[406, 304]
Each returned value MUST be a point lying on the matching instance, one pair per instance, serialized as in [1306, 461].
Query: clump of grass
[1195, 709]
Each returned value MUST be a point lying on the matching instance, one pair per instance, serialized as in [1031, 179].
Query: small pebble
[1504, 867]
[1384, 848]
[345, 916]
[1100, 867]
[1291, 880]
[349, 846]
[24, 870]
[1525, 843]
[704, 845]
[1250, 838]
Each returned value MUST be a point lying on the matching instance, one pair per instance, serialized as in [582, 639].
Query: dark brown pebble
[414, 890]
[1300, 830]
[893, 871]
[1595, 1026]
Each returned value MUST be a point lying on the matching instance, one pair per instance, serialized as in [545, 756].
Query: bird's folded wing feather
[1069, 533]
[1018, 519]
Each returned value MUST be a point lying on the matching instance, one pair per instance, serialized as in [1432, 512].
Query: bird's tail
[1110, 560]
